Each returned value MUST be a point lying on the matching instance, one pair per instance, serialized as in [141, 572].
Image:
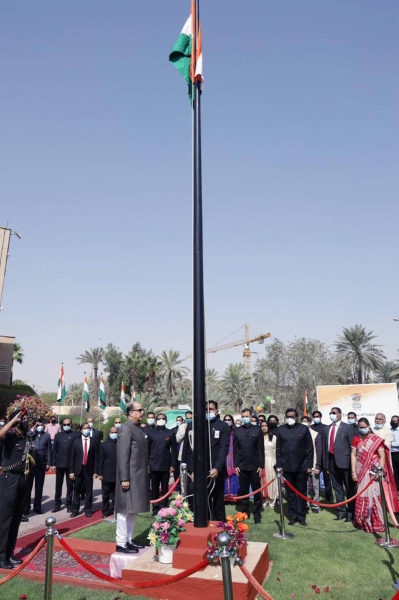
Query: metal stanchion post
[386, 542]
[224, 554]
[183, 479]
[48, 582]
[282, 535]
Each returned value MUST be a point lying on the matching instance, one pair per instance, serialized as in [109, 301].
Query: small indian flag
[122, 403]
[101, 395]
[188, 64]
[61, 393]
[306, 404]
[86, 394]
[133, 394]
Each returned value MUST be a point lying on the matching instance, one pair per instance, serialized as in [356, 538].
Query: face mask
[2, 423]
[290, 421]
[305, 423]
[377, 426]
[178, 423]
[272, 425]
[333, 417]
[351, 421]
[118, 425]
[238, 426]
[210, 416]
[188, 421]
[24, 425]
[161, 422]
[113, 436]
[86, 432]
[53, 421]
[91, 425]
[40, 428]
[394, 425]
[246, 420]
[316, 420]
[364, 430]
[150, 421]
[229, 423]
[66, 427]
[254, 423]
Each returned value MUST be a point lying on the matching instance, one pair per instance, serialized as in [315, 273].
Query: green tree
[388, 372]
[237, 386]
[171, 371]
[357, 347]
[74, 395]
[93, 357]
[114, 367]
[18, 353]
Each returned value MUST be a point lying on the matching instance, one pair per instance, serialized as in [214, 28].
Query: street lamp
[19, 236]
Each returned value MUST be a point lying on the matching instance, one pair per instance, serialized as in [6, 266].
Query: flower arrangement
[166, 528]
[183, 510]
[36, 407]
[236, 528]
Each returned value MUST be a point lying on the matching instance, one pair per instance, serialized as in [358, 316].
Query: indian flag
[187, 62]
[86, 394]
[306, 404]
[101, 395]
[61, 393]
[133, 394]
[122, 403]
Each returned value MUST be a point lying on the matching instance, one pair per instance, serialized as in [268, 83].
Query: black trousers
[395, 466]
[108, 490]
[159, 478]
[59, 480]
[296, 506]
[28, 490]
[36, 475]
[85, 479]
[216, 500]
[12, 494]
[250, 478]
[327, 486]
[341, 478]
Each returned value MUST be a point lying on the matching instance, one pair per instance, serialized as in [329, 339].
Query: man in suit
[337, 457]
[322, 430]
[132, 483]
[162, 457]
[83, 467]
[61, 455]
[249, 461]
[42, 448]
[294, 454]
[107, 470]
[94, 433]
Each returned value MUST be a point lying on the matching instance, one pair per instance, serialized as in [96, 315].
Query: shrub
[37, 408]
[9, 393]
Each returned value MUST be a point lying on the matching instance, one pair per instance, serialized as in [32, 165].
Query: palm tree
[236, 384]
[171, 371]
[74, 394]
[388, 373]
[93, 357]
[356, 346]
[18, 353]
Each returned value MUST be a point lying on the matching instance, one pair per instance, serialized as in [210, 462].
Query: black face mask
[394, 425]
[272, 425]
[24, 426]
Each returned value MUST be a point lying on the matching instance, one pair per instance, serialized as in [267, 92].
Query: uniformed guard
[162, 458]
[15, 466]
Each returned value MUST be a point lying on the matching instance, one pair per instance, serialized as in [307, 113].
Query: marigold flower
[242, 527]
[229, 518]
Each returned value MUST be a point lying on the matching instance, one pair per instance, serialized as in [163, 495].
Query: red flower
[317, 590]
[278, 579]
[314, 587]
[326, 589]
[23, 597]
[279, 573]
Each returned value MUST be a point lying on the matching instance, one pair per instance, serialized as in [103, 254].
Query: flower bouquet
[164, 533]
[183, 510]
[236, 528]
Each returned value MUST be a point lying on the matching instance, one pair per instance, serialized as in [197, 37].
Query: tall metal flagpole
[199, 397]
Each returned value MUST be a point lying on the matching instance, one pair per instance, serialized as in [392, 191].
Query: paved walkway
[37, 522]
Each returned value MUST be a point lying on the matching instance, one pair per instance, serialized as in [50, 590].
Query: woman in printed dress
[268, 473]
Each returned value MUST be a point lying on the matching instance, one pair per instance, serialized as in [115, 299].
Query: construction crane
[246, 351]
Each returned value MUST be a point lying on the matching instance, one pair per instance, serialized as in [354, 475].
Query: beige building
[6, 354]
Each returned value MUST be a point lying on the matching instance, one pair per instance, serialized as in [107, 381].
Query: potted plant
[164, 533]
[236, 527]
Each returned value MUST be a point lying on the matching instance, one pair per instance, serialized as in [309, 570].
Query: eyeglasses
[227, 420]
[118, 422]
[138, 409]
[333, 413]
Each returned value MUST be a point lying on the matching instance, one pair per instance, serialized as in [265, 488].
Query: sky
[300, 175]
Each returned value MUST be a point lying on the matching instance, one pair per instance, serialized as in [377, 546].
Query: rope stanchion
[386, 542]
[27, 560]
[235, 498]
[255, 584]
[327, 505]
[132, 585]
[172, 489]
[282, 534]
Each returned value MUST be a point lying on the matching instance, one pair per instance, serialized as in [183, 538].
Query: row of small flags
[102, 398]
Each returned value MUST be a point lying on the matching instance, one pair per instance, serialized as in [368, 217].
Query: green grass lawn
[327, 553]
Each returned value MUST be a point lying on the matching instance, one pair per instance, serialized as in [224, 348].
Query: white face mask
[290, 421]
[161, 422]
[91, 425]
[333, 417]
[39, 428]
[316, 420]
[150, 421]
[378, 425]
[118, 425]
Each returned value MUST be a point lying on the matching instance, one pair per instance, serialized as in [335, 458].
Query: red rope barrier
[27, 560]
[235, 498]
[389, 505]
[328, 505]
[172, 489]
[133, 585]
[255, 583]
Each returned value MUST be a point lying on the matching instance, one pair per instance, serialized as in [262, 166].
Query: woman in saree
[268, 473]
[231, 484]
[369, 452]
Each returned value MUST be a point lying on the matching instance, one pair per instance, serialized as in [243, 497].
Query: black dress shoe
[24, 519]
[128, 550]
[339, 518]
[55, 510]
[291, 522]
[69, 509]
[349, 519]
[38, 511]
[134, 545]
[88, 513]
[15, 561]
[303, 523]
[5, 564]
[74, 514]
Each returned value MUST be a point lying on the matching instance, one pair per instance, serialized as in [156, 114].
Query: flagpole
[83, 395]
[199, 392]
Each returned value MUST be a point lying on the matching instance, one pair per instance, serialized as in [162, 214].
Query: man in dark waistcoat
[107, 470]
[162, 459]
[61, 458]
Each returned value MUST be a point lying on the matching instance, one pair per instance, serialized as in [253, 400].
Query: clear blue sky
[301, 179]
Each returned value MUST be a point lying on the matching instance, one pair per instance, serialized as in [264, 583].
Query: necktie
[85, 454]
[332, 439]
